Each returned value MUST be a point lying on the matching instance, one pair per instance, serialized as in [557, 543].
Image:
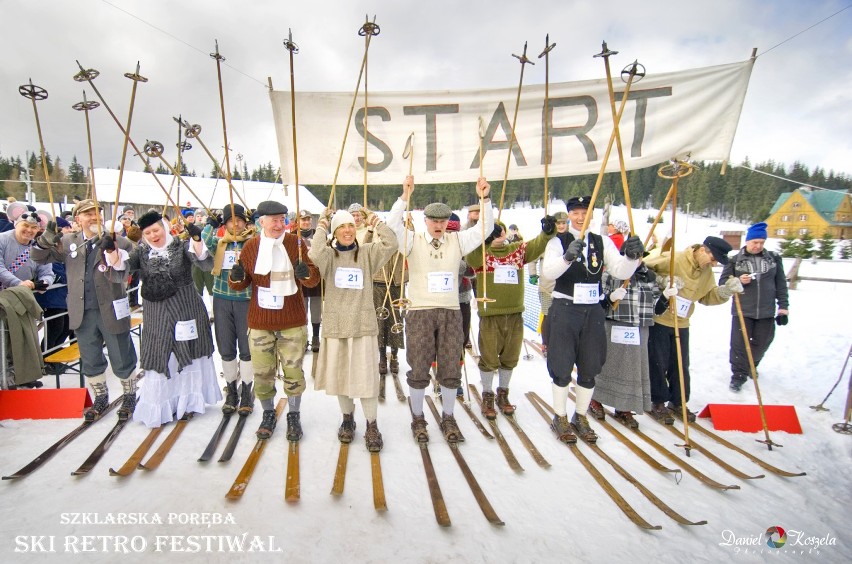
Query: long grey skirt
[624, 381]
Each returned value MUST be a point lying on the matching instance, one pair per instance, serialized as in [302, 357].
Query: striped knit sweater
[293, 313]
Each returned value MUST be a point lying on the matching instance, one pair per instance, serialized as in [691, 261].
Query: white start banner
[667, 115]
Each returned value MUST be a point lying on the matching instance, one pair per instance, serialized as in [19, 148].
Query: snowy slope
[552, 515]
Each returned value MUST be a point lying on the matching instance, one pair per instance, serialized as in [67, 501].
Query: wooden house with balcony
[806, 211]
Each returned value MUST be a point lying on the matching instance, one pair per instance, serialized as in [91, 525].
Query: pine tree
[806, 249]
[76, 172]
[826, 246]
[846, 250]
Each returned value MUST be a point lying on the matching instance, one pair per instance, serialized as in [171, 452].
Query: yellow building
[813, 212]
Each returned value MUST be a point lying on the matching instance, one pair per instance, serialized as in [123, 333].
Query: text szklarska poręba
[122, 544]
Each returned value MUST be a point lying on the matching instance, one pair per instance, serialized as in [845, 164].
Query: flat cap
[271, 207]
[438, 210]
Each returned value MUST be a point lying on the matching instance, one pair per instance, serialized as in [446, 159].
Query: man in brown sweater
[276, 271]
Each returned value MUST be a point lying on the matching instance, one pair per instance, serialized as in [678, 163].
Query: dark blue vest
[577, 273]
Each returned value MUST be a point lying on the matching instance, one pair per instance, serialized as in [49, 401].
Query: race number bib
[352, 278]
[505, 274]
[267, 300]
[625, 335]
[229, 260]
[683, 306]
[186, 330]
[586, 294]
[121, 307]
[441, 282]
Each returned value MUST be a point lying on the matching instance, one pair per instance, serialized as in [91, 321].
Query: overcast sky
[798, 106]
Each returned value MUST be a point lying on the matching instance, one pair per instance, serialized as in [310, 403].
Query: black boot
[394, 362]
[232, 398]
[246, 399]
[294, 427]
[128, 400]
[383, 362]
[267, 424]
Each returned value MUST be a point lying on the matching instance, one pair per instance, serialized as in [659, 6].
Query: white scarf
[272, 259]
[161, 251]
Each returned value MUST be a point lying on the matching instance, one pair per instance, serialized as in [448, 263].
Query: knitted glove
[670, 292]
[214, 221]
[107, 243]
[238, 273]
[781, 319]
[302, 271]
[534, 279]
[731, 286]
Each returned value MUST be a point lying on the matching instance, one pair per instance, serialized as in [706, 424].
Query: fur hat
[149, 219]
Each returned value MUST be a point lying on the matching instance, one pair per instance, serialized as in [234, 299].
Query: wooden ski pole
[367, 30]
[136, 78]
[86, 106]
[634, 73]
[89, 75]
[219, 58]
[606, 54]
[402, 303]
[524, 61]
[484, 300]
[548, 153]
[154, 149]
[293, 49]
[839, 378]
[194, 132]
[768, 442]
[35, 93]
[351, 111]
[675, 171]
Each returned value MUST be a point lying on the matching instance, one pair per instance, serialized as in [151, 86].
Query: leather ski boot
[246, 399]
[267, 424]
[372, 437]
[383, 363]
[626, 418]
[661, 414]
[563, 429]
[347, 429]
[294, 427]
[597, 410]
[581, 426]
[503, 402]
[232, 398]
[451, 429]
[394, 363]
[128, 400]
[487, 409]
[101, 401]
[418, 429]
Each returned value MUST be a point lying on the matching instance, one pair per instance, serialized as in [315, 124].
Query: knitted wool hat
[341, 217]
[757, 231]
[454, 224]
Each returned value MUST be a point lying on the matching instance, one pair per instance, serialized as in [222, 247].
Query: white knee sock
[448, 399]
[370, 406]
[560, 399]
[487, 381]
[584, 397]
[416, 397]
[347, 405]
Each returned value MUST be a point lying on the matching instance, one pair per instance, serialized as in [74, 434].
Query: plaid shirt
[637, 307]
[220, 282]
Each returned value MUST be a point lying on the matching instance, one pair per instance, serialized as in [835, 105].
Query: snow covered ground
[558, 514]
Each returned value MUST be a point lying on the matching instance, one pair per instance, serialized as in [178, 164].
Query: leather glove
[670, 292]
[633, 248]
[214, 221]
[618, 294]
[548, 225]
[781, 319]
[574, 250]
[194, 231]
[49, 238]
[107, 243]
[497, 232]
[534, 279]
[238, 273]
[41, 286]
[731, 286]
[302, 271]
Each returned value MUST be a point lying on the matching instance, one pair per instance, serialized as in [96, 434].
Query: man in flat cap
[98, 309]
[577, 330]
[764, 286]
[693, 282]
[276, 270]
[433, 325]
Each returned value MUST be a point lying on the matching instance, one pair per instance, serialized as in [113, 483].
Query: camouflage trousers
[271, 349]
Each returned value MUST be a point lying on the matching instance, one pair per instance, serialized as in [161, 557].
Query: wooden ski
[340, 470]
[137, 456]
[157, 458]
[607, 487]
[474, 418]
[501, 440]
[214, 440]
[756, 460]
[478, 494]
[379, 501]
[292, 488]
[240, 484]
[438, 505]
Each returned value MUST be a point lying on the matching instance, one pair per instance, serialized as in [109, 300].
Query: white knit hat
[341, 217]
